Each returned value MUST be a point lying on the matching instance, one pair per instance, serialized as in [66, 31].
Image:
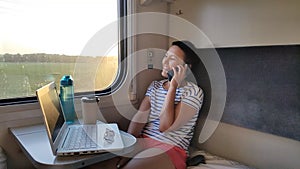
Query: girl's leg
[149, 159]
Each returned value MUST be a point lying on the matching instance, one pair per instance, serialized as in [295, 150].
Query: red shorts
[177, 155]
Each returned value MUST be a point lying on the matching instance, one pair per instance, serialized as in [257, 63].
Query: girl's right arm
[140, 118]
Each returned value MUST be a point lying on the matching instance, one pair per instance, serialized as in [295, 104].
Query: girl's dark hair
[189, 50]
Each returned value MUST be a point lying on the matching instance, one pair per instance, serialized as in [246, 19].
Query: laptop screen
[50, 105]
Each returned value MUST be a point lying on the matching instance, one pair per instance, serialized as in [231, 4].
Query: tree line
[40, 57]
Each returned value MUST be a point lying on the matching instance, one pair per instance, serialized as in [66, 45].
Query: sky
[52, 26]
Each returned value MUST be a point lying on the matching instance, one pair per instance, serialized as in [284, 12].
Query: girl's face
[174, 56]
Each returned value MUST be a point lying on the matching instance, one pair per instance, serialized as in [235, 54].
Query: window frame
[122, 68]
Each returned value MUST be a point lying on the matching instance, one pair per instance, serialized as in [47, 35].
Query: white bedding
[216, 162]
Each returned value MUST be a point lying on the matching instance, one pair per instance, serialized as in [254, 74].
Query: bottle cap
[66, 80]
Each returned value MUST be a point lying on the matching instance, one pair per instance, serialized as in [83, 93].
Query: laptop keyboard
[83, 137]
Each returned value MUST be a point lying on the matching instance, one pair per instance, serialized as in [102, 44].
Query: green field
[21, 79]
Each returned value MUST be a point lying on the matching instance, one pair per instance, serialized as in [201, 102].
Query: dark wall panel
[263, 88]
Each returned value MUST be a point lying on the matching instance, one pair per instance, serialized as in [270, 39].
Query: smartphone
[171, 73]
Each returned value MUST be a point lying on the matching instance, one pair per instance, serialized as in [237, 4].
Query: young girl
[168, 113]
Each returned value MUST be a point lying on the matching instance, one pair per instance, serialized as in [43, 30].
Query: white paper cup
[90, 109]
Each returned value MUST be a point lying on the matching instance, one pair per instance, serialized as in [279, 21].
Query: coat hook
[179, 12]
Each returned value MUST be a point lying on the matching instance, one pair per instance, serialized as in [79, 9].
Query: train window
[42, 40]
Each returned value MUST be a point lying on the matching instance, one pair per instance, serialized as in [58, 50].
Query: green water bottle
[67, 98]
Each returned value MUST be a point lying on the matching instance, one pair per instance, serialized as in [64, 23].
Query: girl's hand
[179, 75]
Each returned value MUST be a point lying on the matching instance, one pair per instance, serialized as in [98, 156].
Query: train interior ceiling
[250, 70]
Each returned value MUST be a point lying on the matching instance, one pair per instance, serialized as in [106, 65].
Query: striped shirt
[191, 95]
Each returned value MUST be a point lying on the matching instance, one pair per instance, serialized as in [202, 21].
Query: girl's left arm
[183, 113]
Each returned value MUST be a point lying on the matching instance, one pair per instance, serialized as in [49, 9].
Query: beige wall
[243, 22]
[150, 40]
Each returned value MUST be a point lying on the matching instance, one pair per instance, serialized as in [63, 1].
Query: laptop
[74, 139]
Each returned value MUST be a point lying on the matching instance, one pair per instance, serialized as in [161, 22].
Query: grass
[22, 79]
